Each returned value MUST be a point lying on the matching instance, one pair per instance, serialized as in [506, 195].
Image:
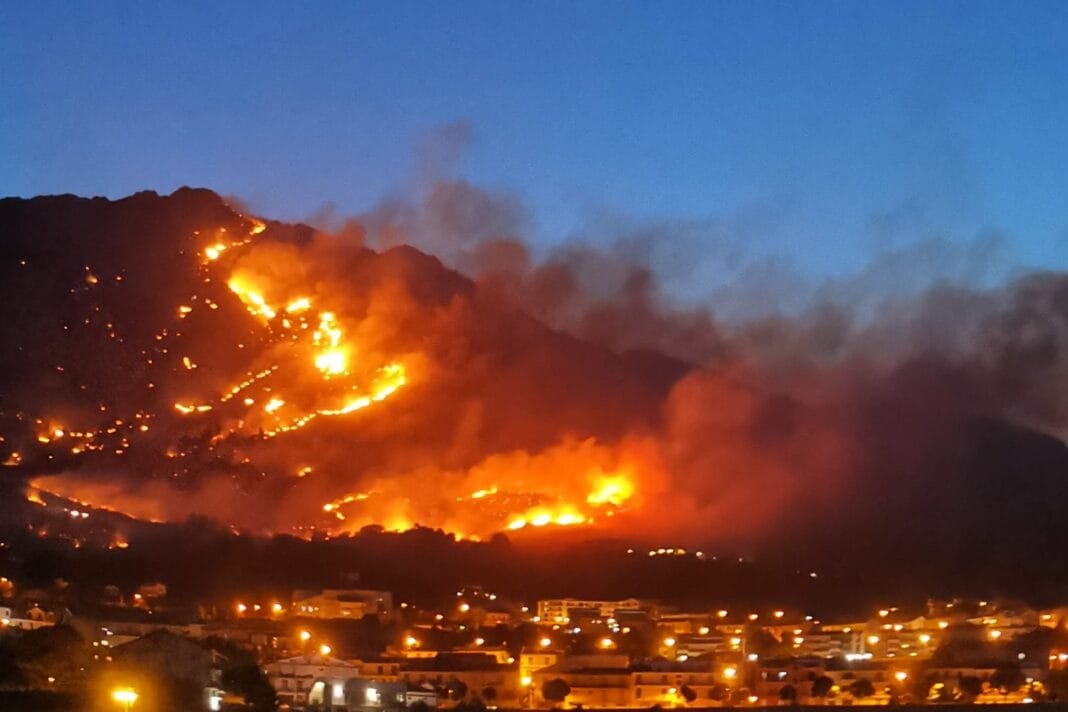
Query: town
[360, 649]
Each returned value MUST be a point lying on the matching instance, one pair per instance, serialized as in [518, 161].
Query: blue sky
[818, 133]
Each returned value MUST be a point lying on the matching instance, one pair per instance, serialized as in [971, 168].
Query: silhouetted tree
[788, 693]
[970, 687]
[248, 680]
[862, 688]
[555, 690]
[1057, 685]
[457, 689]
[821, 686]
[1007, 678]
[687, 693]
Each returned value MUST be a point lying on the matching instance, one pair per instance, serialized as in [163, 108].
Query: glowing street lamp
[324, 649]
[125, 696]
[305, 636]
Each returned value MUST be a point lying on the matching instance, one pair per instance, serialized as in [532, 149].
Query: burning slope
[172, 357]
[282, 380]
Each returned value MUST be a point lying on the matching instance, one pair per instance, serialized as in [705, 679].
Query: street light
[125, 696]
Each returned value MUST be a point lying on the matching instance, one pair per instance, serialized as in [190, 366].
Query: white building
[294, 678]
[558, 610]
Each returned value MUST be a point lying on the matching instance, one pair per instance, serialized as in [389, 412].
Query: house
[352, 603]
[773, 674]
[293, 678]
[476, 675]
[594, 681]
[694, 683]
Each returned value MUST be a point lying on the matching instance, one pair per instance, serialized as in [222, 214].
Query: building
[293, 678]
[594, 681]
[352, 603]
[35, 618]
[560, 610]
[476, 675]
[531, 662]
[828, 644]
[695, 683]
[774, 674]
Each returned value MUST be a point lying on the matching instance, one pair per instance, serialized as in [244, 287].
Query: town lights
[669, 642]
[607, 643]
[305, 636]
[240, 608]
[545, 642]
[873, 639]
[526, 681]
[924, 638]
[901, 675]
[465, 607]
[721, 613]
[276, 608]
[411, 641]
[730, 672]
[125, 696]
[324, 649]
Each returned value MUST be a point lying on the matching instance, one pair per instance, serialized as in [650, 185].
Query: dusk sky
[819, 133]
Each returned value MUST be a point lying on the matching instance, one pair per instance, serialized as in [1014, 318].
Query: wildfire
[521, 494]
[312, 353]
[187, 408]
[611, 490]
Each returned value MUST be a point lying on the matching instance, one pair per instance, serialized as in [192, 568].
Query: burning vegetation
[253, 358]
[171, 357]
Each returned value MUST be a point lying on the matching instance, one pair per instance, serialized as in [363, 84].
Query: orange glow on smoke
[322, 354]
